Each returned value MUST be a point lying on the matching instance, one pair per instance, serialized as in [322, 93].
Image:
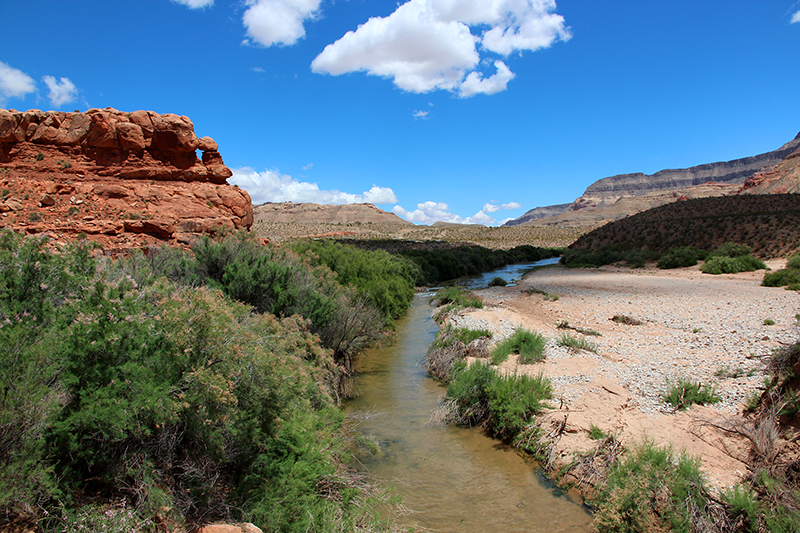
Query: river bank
[712, 329]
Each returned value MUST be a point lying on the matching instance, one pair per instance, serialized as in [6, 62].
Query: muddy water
[453, 479]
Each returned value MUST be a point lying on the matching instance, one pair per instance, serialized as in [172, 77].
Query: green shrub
[576, 343]
[498, 282]
[686, 392]
[528, 344]
[35, 216]
[505, 404]
[387, 279]
[794, 262]
[446, 337]
[651, 489]
[731, 249]
[457, 297]
[721, 264]
[681, 256]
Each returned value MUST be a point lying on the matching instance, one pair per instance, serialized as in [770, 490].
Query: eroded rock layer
[121, 178]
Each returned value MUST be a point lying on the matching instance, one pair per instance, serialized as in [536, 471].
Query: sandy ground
[702, 327]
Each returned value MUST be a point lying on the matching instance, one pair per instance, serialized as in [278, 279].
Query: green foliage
[106, 519]
[35, 216]
[576, 343]
[121, 384]
[686, 392]
[387, 279]
[769, 322]
[528, 344]
[788, 277]
[731, 258]
[456, 297]
[446, 337]
[681, 256]
[437, 265]
[504, 404]
[498, 282]
[595, 433]
[651, 489]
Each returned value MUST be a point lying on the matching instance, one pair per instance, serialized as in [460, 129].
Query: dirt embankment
[711, 329]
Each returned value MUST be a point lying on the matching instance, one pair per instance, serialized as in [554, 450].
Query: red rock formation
[124, 179]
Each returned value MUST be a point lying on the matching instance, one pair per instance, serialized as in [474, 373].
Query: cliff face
[608, 190]
[619, 196]
[539, 212]
[120, 178]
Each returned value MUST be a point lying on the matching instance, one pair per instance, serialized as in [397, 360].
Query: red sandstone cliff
[123, 179]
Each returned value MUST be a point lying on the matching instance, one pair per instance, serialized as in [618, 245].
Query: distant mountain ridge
[325, 214]
[601, 195]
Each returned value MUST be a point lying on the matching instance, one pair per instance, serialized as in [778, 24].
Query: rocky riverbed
[716, 330]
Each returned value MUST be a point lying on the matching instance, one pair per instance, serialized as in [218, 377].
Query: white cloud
[421, 114]
[511, 205]
[795, 17]
[271, 22]
[430, 212]
[14, 83]
[428, 45]
[61, 92]
[308, 166]
[490, 208]
[195, 4]
[271, 186]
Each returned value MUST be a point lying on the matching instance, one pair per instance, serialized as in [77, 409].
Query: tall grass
[528, 344]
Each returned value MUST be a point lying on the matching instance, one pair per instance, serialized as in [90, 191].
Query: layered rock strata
[121, 177]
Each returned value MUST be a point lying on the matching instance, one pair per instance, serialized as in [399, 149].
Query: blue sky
[456, 110]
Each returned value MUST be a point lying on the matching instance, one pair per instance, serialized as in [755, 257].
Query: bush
[686, 392]
[387, 279]
[162, 397]
[788, 277]
[456, 297]
[504, 404]
[576, 343]
[528, 344]
[681, 256]
[498, 282]
[651, 489]
[731, 258]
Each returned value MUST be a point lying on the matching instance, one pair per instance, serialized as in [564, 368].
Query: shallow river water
[452, 479]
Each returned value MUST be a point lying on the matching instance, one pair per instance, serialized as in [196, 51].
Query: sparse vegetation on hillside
[768, 224]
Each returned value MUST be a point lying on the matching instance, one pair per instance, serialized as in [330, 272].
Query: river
[451, 478]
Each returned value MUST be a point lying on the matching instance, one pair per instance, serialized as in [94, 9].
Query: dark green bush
[681, 256]
[457, 297]
[788, 277]
[498, 282]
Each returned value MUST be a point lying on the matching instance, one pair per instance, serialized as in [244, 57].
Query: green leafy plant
[576, 343]
[528, 344]
[685, 392]
[769, 322]
[498, 282]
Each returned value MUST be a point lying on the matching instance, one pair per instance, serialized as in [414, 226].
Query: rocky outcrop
[608, 190]
[120, 178]
[619, 196]
[539, 212]
[308, 213]
[783, 178]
